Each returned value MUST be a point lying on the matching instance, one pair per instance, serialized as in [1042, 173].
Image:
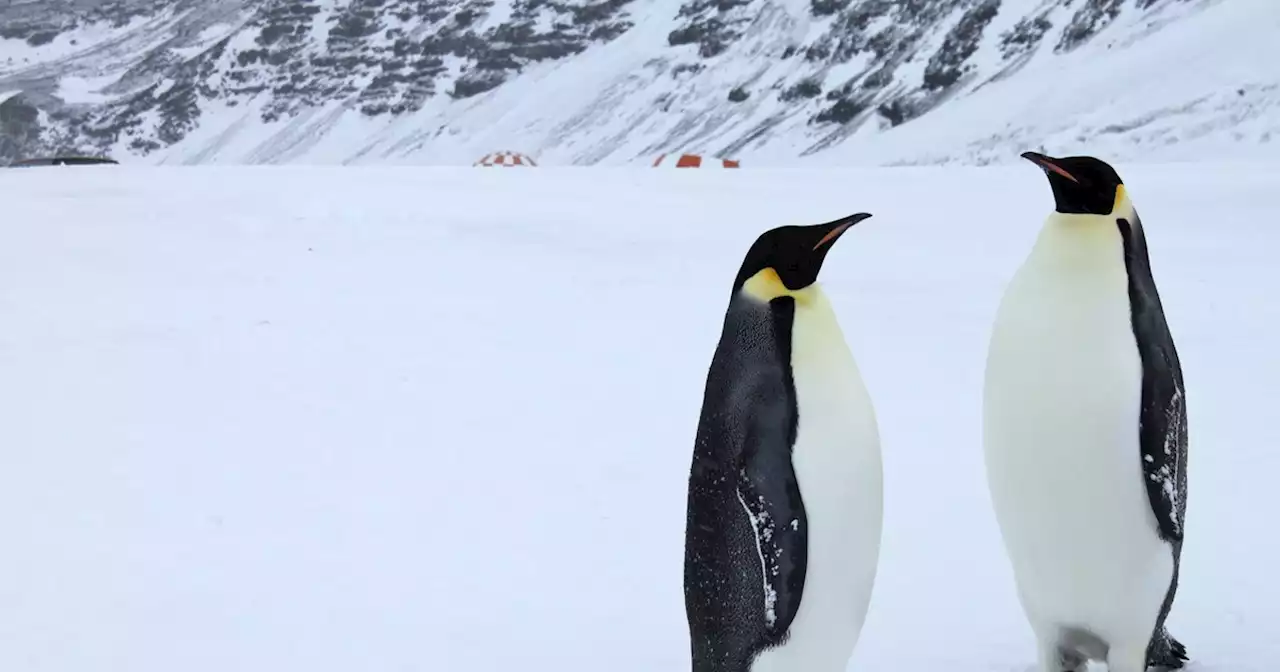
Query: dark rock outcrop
[282, 58]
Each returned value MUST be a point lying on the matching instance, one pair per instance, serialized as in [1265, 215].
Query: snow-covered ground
[379, 419]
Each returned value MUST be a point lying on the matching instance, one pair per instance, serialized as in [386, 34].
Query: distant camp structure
[507, 160]
[64, 161]
[692, 161]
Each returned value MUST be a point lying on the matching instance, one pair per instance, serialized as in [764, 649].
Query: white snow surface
[402, 418]
[84, 90]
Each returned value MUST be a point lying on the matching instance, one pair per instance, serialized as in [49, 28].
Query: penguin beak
[838, 227]
[1047, 163]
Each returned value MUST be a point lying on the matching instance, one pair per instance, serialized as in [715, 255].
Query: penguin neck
[1079, 243]
[818, 347]
[813, 313]
[814, 336]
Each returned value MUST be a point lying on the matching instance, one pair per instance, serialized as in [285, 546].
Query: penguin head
[785, 261]
[1082, 185]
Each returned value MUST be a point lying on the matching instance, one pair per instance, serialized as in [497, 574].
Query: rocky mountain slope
[573, 81]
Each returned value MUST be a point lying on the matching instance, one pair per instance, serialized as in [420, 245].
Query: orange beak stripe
[1047, 165]
[831, 235]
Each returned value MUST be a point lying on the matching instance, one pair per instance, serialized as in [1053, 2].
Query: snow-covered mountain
[615, 81]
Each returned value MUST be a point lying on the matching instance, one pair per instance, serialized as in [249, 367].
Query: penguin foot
[1166, 652]
[1054, 658]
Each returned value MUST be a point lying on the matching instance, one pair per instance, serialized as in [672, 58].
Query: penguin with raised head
[782, 537]
[1085, 432]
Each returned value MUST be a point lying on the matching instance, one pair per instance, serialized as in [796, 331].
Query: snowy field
[380, 419]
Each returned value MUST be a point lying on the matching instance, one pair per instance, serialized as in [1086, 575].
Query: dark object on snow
[64, 161]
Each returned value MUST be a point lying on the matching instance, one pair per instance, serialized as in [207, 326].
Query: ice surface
[335, 419]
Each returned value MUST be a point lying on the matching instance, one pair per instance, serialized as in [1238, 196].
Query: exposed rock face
[170, 60]
[386, 56]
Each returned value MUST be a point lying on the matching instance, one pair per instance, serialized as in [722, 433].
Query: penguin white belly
[837, 462]
[1061, 407]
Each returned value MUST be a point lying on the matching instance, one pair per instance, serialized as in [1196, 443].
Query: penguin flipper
[1162, 420]
[770, 493]
[1163, 434]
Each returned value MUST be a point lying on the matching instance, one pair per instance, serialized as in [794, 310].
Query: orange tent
[693, 161]
[506, 160]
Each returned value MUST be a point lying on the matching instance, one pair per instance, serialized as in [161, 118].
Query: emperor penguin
[782, 537]
[1085, 432]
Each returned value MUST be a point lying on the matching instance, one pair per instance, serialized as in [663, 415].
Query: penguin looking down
[785, 489]
[1085, 431]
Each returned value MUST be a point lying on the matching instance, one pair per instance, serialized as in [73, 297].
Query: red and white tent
[506, 160]
[692, 161]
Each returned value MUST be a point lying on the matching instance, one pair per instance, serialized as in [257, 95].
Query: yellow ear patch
[766, 286]
[1120, 198]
